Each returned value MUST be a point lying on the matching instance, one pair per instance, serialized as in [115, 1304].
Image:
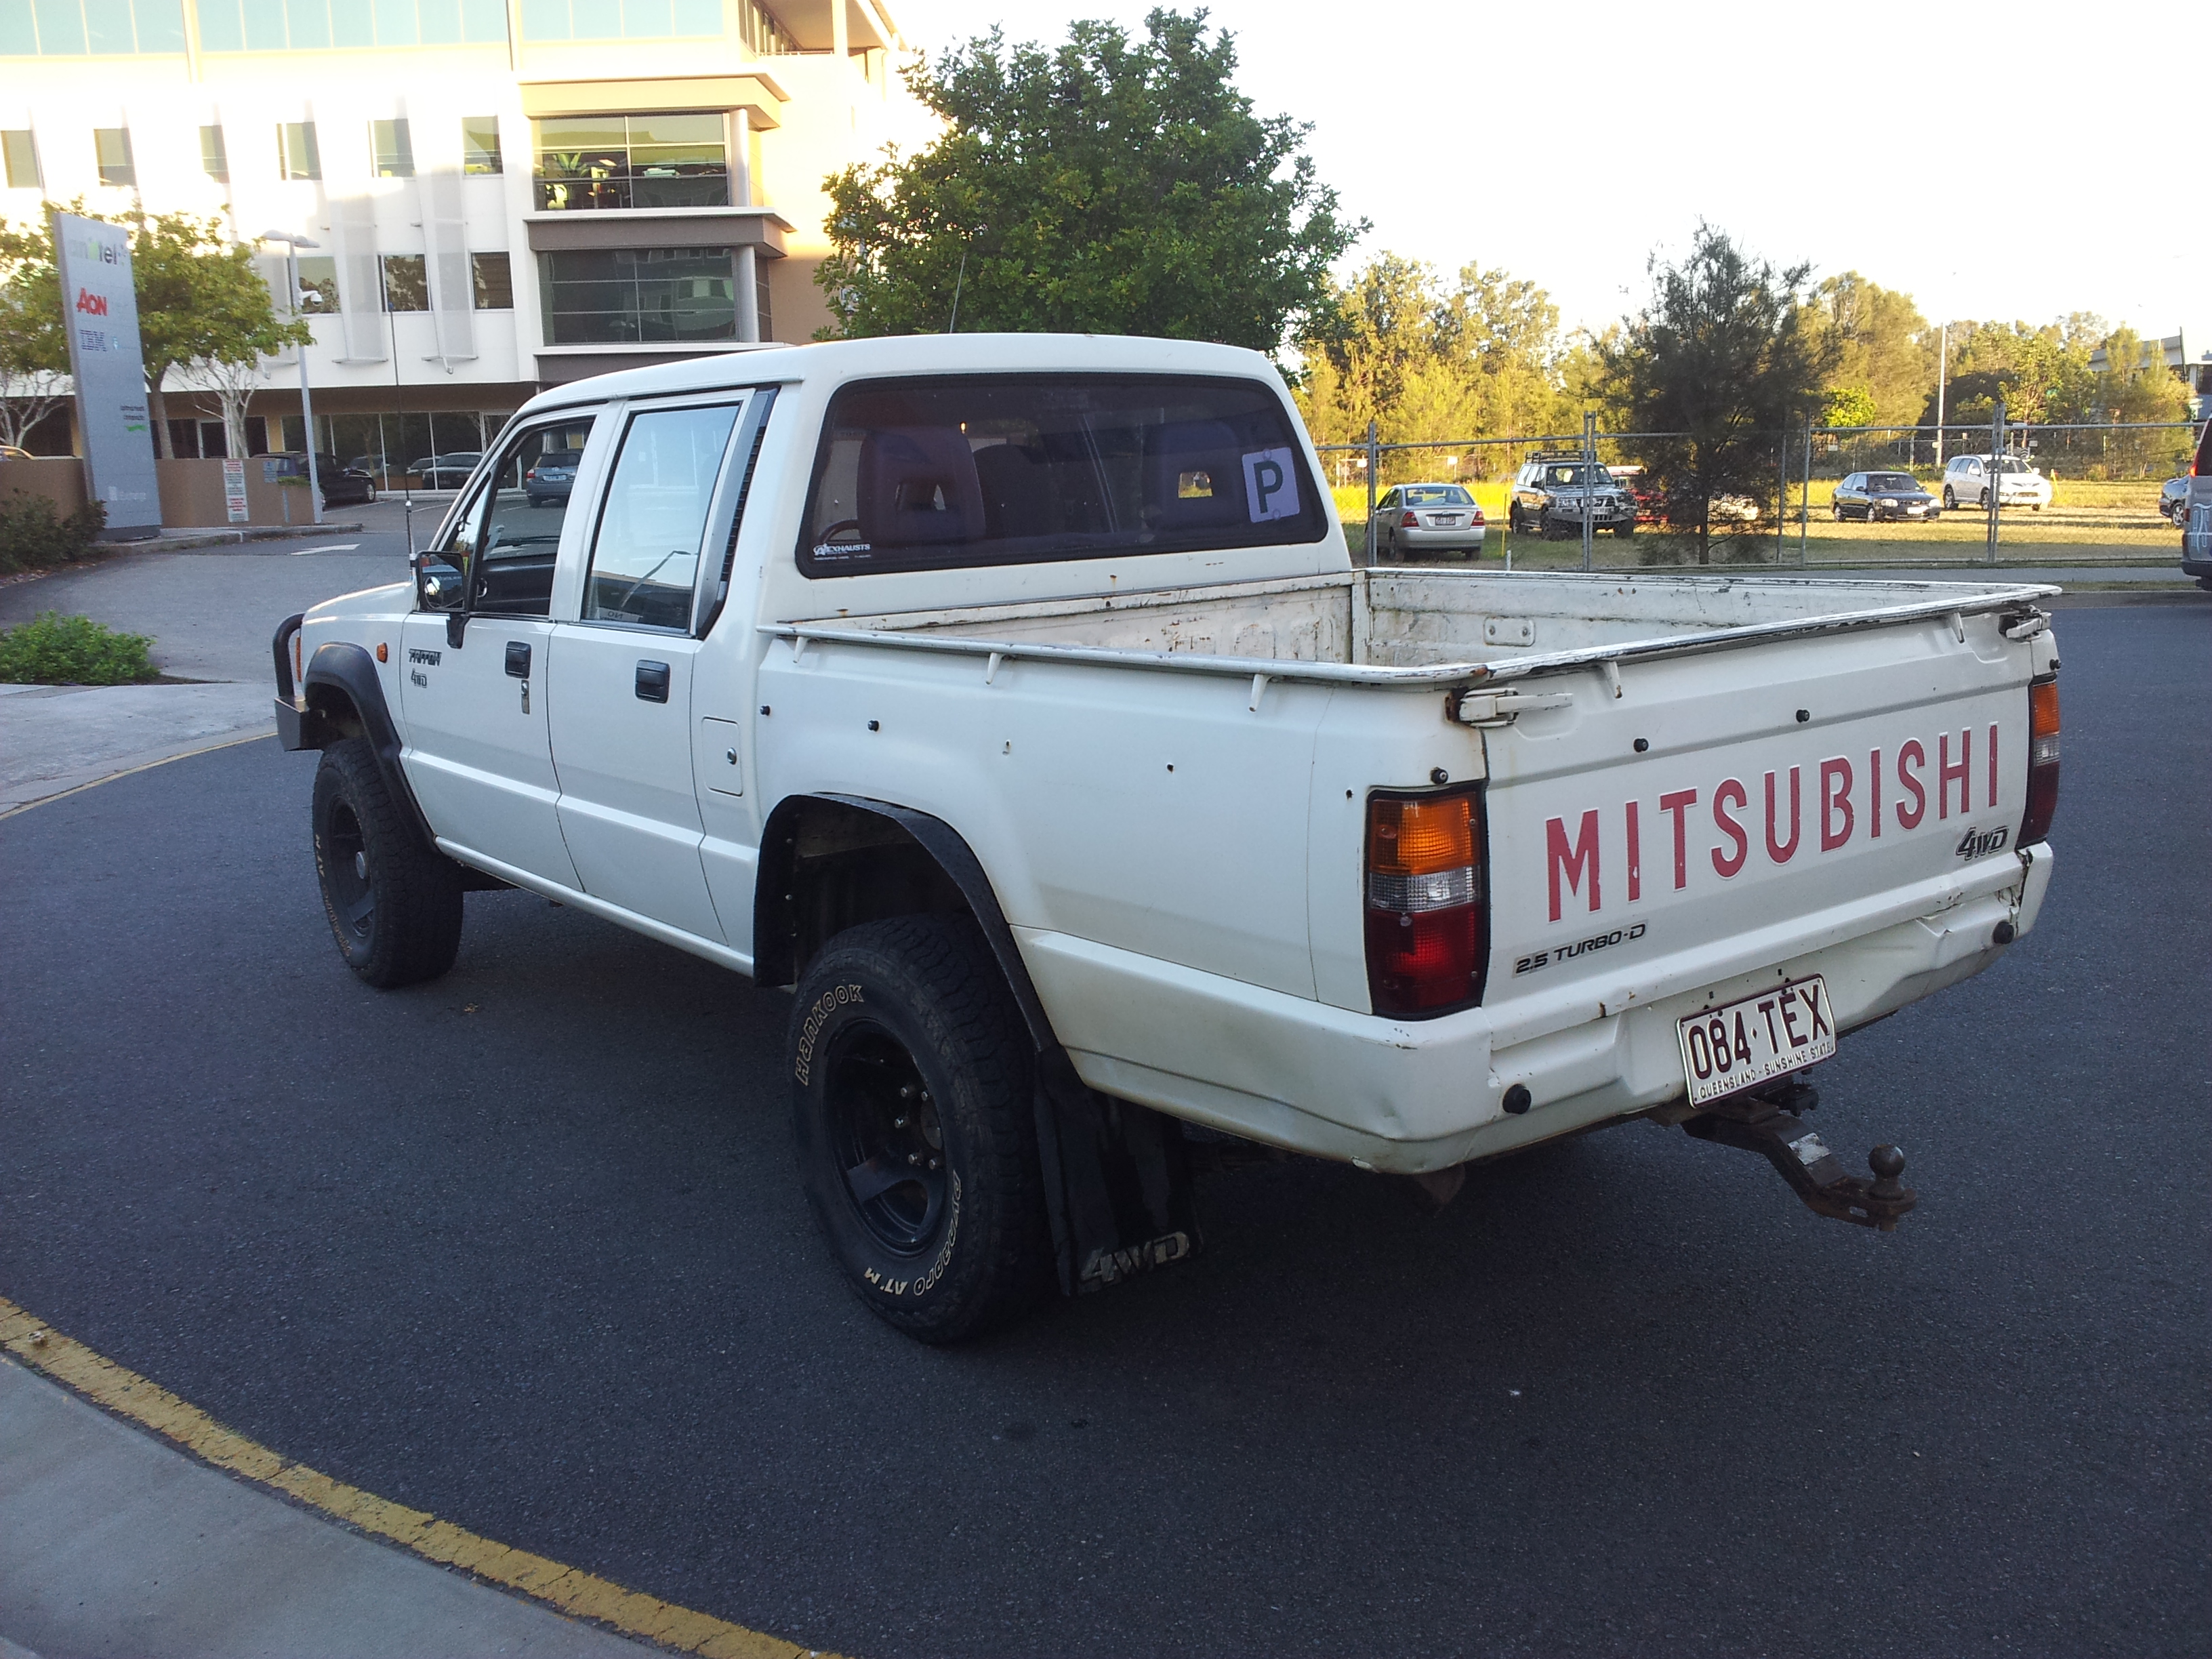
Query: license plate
[1442, 520]
[1757, 1040]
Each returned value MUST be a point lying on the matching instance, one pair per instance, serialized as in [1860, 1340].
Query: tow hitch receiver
[1767, 1123]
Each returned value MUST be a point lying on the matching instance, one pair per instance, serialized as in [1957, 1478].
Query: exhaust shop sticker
[1271, 486]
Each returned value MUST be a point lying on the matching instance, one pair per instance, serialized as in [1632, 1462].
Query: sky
[1855, 137]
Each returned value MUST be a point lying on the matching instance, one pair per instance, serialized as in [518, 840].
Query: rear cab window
[962, 470]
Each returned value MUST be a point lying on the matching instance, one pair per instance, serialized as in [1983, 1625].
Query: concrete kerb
[185, 540]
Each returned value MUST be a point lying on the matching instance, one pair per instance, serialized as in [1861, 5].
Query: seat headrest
[1196, 479]
[918, 487]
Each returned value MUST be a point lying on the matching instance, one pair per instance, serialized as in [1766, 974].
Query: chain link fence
[1838, 497]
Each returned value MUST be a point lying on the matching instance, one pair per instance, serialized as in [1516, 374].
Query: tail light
[1477, 517]
[1409, 522]
[1427, 935]
[2042, 760]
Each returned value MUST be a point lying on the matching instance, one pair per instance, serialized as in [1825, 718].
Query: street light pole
[293, 244]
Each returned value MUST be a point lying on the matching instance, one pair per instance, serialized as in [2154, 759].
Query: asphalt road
[525, 1249]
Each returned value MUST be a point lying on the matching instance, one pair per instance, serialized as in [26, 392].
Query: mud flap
[1116, 1180]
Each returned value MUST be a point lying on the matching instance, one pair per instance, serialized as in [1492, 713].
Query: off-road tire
[922, 993]
[1627, 529]
[366, 850]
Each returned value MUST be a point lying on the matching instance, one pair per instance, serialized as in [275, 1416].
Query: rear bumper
[1411, 1096]
[1466, 536]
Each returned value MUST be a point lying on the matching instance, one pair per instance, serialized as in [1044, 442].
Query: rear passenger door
[623, 667]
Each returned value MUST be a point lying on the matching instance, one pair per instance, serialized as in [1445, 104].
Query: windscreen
[944, 473]
[1570, 476]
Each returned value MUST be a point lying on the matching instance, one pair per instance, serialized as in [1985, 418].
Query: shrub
[34, 537]
[58, 650]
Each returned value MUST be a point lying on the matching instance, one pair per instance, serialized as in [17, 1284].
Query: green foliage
[1850, 405]
[1885, 348]
[34, 536]
[1723, 355]
[1107, 186]
[1480, 357]
[58, 650]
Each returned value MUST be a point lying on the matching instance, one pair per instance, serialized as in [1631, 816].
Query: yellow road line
[133, 771]
[578, 1594]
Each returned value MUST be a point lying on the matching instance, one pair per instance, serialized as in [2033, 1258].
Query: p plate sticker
[1271, 486]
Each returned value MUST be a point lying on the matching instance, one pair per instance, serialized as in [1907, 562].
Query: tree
[1720, 360]
[34, 353]
[1885, 349]
[1109, 186]
[200, 299]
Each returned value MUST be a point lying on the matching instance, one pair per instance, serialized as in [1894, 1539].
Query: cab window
[646, 555]
[500, 551]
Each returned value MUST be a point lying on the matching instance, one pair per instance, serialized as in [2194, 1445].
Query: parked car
[1966, 480]
[446, 472]
[1643, 489]
[342, 485]
[2197, 532]
[549, 478]
[1550, 492]
[1875, 496]
[1015, 700]
[2173, 501]
[1428, 517]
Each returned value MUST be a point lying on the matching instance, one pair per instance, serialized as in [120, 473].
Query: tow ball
[1767, 1123]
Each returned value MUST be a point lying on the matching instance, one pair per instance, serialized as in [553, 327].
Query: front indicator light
[1427, 926]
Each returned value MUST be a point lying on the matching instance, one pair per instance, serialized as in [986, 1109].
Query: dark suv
[1549, 493]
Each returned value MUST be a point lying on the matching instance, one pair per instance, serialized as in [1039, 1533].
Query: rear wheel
[1950, 500]
[394, 902]
[913, 1113]
[1984, 503]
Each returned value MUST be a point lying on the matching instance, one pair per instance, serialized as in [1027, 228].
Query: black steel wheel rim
[886, 1137]
[345, 871]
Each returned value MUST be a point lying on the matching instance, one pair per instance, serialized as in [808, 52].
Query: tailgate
[1716, 813]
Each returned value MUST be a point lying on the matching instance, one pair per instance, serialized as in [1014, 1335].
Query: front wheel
[913, 1113]
[394, 902]
[1628, 528]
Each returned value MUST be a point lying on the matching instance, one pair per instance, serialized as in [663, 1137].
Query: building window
[406, 282]
[319, 285]
[629, 20]
[633, 161]
[759, 298]
[113, 146]
[768, 37]
[480, 144]
[19, 146]
[494, 282]
[393, 148]
[215, 157]
[620, 297]
[327, 25]
[297, 156]
[74, 29]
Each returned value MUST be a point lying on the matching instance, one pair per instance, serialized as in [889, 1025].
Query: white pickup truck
[1015, 700]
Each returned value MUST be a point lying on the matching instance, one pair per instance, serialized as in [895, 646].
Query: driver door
[474, 694]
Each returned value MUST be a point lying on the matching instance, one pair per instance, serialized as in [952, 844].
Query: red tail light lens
[1477, 517]
[2042, 760]
[1409, 522]
[1427, 929]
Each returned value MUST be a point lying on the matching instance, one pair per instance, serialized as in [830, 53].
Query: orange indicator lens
[2043, 709]
[1421, 837]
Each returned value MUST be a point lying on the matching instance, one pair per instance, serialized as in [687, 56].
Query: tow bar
[1767, 1123]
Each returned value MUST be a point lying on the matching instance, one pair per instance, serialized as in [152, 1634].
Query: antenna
[952, 325]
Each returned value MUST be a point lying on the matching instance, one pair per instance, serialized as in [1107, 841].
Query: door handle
[518, 658]
[652, 681]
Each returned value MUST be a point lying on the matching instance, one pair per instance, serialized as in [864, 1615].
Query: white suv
[1966, 482]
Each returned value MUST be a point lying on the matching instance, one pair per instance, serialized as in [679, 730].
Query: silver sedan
[1427, 517]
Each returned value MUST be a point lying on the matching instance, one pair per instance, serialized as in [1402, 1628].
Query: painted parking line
[333, 547]
[569, 1590]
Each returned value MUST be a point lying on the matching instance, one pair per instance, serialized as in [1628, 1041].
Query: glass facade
[19, 148]
[621, 296]
[298, 155]
[406, 282]
[762, 32]
[323, 25]
[215, 154]
[393, 148]
[633, 161]
[494, 282]
[74, 29]
[111, 146]
[619, 19]
[480, 144]
[318, 285]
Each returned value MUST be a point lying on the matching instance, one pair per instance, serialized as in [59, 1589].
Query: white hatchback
[1966, 482]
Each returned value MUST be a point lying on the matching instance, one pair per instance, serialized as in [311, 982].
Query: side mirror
[440, 584]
